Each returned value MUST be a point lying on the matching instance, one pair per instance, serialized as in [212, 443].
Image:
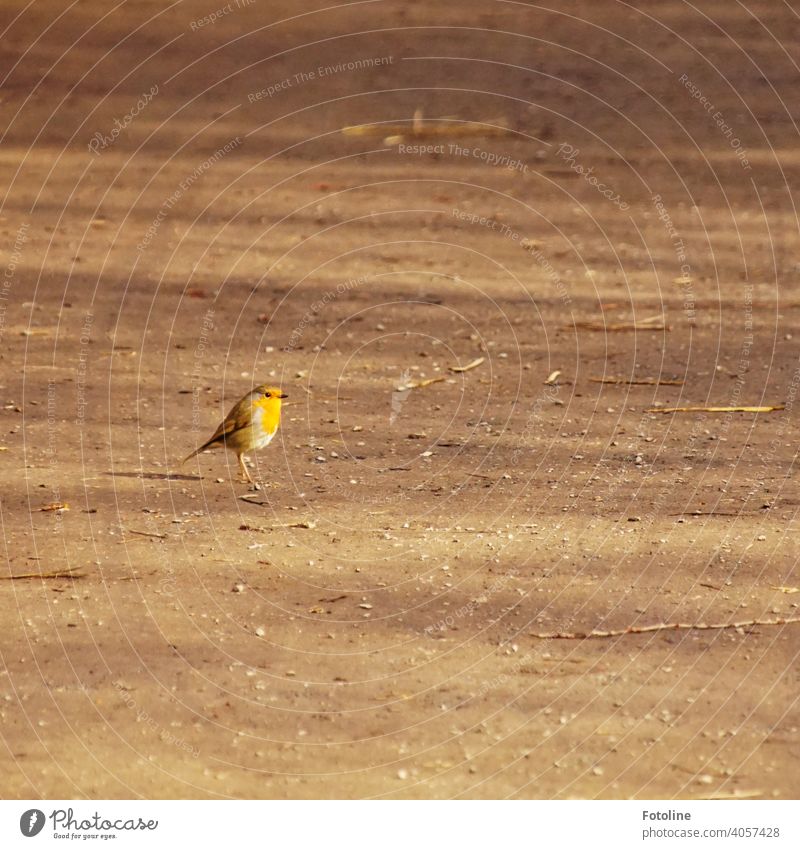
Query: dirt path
[182, 218]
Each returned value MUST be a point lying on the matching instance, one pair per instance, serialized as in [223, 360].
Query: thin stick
[145, 534]
[645, 381]
[419, 128]
[618, 327]
[309, 524]
[58, 573]
[741, 794]
[468, 366]
[661, 626]
[419, 384]
[775, 408]
[715, 513]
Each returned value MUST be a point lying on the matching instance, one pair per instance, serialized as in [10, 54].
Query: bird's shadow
[155, 476]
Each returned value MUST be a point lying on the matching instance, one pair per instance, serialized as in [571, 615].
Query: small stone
[402, 774]
[238, 588]
[260, 632]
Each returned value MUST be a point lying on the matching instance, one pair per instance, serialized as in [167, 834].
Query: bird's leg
[243, 467]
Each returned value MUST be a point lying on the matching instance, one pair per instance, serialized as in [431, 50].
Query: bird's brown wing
[237, 419]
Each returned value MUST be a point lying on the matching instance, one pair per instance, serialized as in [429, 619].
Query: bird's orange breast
[267, 413]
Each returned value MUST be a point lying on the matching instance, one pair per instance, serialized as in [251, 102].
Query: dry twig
[145, 534]
[661, 626]
[71, 572]
[419, 129]
[644, 381]
[775, 408]
[618, 327]
[419, 384]
[467, 367]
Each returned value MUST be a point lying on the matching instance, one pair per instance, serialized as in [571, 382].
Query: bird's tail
[197, 451]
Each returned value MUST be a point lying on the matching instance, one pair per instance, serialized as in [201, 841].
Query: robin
[250, 425]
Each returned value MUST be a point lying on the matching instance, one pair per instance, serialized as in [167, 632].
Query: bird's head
[269, 397]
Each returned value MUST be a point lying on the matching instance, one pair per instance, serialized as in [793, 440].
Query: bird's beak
[283, 395]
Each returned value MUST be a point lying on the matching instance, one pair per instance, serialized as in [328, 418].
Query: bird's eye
[267, 395]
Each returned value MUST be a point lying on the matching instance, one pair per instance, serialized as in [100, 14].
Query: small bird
[250, 425]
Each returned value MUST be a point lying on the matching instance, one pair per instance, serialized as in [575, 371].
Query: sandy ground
[182, 218]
